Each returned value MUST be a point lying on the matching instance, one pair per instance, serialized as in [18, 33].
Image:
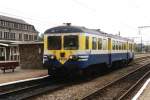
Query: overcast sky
[110, 16]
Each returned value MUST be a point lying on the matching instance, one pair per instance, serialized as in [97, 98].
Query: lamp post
[141, 38]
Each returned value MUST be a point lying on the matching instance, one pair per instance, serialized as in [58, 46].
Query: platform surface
[21, 74]
[144, 92]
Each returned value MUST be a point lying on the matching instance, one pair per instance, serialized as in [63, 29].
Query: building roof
[16, 20]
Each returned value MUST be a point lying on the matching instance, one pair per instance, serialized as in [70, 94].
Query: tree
[41, 37]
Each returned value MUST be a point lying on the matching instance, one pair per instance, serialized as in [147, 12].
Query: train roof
[71, 29]
[80, 29]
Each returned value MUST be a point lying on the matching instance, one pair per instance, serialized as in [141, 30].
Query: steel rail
[131, 89]
[92, 94]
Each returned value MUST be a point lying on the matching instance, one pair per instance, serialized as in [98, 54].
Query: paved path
[21, 74]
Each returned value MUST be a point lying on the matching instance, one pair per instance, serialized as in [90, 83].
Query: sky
[111, 16]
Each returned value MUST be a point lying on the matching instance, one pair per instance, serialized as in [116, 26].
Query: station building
[12, 32]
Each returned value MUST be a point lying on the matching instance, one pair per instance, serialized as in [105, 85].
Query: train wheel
[49, 71]
[109, 66]
[125, 63]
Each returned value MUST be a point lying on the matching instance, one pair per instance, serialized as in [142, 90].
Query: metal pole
[141, 38]
[141, 44]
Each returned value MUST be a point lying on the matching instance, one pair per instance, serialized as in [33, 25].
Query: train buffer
[6, 65]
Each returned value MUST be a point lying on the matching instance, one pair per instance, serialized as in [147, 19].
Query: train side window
[87, 42]
[113, 45]
[119, 45]
[124, 46]
[99, 43]
[104, 44]
[130, 46]
[94, 43]
[116, 45]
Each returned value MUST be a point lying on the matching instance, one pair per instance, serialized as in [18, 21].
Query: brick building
[13, 30]
[31, 54]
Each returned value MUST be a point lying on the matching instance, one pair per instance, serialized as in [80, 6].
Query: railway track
[24, 90]
[120, 89]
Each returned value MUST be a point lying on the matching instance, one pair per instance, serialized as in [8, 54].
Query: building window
[30, 37]
[6, 35]
[0, 23]
[20, 36]
[94, 43]
[3, 24]
[87, 42]
[26, 37]
[25, 27]
[1, 34]
[7, 24]
[16, 25]
[35, 37]
[2, 54]
[12, 36]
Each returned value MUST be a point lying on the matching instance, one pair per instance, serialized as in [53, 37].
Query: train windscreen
[71, 42]
[54, 42]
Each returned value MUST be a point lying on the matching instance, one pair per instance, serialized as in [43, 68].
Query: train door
[109, 51]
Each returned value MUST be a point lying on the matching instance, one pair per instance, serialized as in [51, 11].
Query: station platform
[21, 74]
[144, 92]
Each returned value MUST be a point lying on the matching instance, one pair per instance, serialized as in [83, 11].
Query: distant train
[72, 49]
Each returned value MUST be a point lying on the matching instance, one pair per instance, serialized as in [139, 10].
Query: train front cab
[64, 52]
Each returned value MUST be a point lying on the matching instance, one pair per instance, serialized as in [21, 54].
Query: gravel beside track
[121, 88]
[78, 91]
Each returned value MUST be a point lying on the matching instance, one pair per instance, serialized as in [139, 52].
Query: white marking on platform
[24, 80]
[141, 90]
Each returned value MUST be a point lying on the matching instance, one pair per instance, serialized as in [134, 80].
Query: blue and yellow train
[70, 48]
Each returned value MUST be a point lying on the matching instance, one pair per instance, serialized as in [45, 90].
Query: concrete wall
[31, 56]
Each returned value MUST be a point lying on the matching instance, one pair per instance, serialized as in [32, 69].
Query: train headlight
[73, 57]
[52, 57]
